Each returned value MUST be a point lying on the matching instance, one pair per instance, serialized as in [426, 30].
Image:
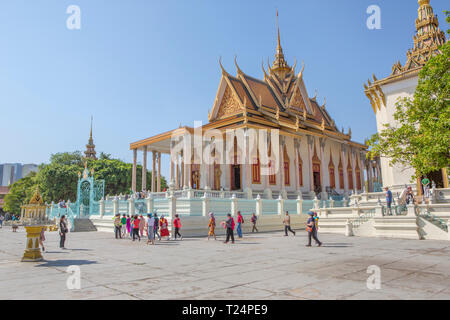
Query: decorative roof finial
[279, 64]
[90, 147]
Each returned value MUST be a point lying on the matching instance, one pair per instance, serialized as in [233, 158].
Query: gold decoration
[229, 104]
[36, 198]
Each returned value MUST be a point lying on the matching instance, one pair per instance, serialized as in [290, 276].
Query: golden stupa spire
[279, 64]
[90, 147]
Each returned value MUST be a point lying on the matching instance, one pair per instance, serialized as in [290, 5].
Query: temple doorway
[235, 177]
[316, 179]
[436, 176]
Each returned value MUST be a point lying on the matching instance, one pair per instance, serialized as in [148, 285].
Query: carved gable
[297, 101]
[229, 104]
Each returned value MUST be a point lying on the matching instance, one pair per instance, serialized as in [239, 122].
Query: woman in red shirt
[136, 228]
[177, 226]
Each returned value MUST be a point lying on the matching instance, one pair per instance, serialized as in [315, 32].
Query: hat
[311, 213]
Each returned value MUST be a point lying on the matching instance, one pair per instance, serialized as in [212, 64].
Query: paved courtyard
[261, 266]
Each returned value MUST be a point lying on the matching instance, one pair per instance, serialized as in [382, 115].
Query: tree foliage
[421, 136]
[58, 179]
[20, 192]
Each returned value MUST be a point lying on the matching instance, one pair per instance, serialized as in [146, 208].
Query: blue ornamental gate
[89, 193]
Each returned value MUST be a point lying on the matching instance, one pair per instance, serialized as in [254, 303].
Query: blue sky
[142, 67]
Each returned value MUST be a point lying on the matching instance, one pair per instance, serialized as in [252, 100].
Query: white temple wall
[394, 175]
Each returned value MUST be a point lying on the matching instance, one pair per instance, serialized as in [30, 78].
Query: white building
[402, 82]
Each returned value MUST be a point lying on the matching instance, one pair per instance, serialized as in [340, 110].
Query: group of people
[229, 225]
[135, 226]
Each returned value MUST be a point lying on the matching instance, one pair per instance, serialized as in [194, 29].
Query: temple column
[281, 157]
[323, 170]
[247, 164]
[144, 169]
[177, 182]
[310, 166]
[344, 168]
[153, 171]
[133, 176]
[172, 171]
[159, 172]
[296, 173]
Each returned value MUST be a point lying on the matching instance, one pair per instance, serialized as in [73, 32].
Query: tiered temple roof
[278, 101]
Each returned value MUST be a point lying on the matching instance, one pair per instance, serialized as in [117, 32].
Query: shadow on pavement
[65, 263]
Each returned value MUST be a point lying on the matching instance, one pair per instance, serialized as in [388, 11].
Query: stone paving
[261, 266]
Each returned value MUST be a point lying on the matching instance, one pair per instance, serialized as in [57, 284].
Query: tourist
[14, 224]
[156, 228]
[1, 220]
[128, 225]
[123, 225]
[240, 221]
[141, 225]
[388, 200]
[253, 221]
[287, 224]
[212, 226]
[62, 231]
[136, 222]
[150, 226]
[117, 227]
[229, 226]
[426, 189]
[177, 226]
[311, 229]
[409, 196]
[164, 226]
[42, 238]
[316, 222]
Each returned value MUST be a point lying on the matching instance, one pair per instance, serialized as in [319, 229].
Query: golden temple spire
[90, 147]
[279, 64]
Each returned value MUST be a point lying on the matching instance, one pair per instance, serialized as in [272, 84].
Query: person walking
[123, 225]
[150, 226]
[426, 189]
[136, 222]
[177, 226]
[164, 227]
[156, 228]
[253, 220]
[117, 227]
[388, 200]
[287, 224]
[1, 221]
[229, 225]
[62, 231]
[42, 238]
[129, 225]
[316, 222]
[212, 226]
[311, 229]
[141, 225]
[240, 221]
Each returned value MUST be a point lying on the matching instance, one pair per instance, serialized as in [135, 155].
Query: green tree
[421, 137]
[20, 192]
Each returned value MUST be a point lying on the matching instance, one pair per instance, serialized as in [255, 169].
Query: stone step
[83, 225]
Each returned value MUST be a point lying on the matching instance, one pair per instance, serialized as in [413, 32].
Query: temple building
[402, 82]
[90, 147]
[313, 155]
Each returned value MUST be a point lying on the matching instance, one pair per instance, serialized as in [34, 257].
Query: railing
[441, 223]
[356, 223]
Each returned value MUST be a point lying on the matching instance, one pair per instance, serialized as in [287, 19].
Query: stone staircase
[103, 224]
[83, 225]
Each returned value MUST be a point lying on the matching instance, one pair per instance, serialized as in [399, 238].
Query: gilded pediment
[229, 104]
